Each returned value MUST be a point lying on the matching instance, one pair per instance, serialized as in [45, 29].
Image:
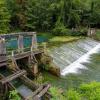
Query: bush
[83, 31]
[56, 94]
[89, 91]
[60, 30]
[14, 95]
[80, 31]
[73, 95]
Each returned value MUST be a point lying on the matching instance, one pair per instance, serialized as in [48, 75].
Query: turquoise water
[12, 44]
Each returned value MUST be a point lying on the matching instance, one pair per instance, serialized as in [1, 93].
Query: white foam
[75, 66]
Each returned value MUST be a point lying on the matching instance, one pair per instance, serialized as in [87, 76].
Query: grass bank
[56, 41]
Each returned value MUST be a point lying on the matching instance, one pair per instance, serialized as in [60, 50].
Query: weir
[12, 74]
[69, 57]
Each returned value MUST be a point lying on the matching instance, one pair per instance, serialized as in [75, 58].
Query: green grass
[56, 41]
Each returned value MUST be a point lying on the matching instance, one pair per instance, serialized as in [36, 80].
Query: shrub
[73, 95]
[56, 94]
[91, 91]
[85, 92]
[83, 31]
[60, 30]
[80, 31]
[14, 95]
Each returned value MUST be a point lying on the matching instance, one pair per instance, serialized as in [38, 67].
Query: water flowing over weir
[70, 57]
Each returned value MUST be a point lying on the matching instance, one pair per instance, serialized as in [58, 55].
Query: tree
[4, 17]
[38, 15]
[18, 9]
[44, 15]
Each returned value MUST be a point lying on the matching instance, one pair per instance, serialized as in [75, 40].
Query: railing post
[2, 47]
[20, 43]
[34, 41]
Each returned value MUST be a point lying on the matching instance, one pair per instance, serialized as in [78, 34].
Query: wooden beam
[9, 84]
[26, 54]
[13, 76]
[3, 64]
[42, 93]
[44, 90]
[17, 34]
[34, 93]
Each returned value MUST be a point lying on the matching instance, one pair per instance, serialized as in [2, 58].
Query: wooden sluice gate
[28, 90]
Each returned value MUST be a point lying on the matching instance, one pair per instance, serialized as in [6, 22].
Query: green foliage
[81, 31]
[14, 95]
[39, 79]
[18, 11]
[97, 35]
[56, 94]
[4, 17]
[89, 91]
[59, 29]
[56, 15]
[73, 95]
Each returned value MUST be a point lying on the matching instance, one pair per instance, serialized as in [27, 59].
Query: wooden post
[2, 46]
[34, 41]
[20, 43]
[2, 49]
[35, 68]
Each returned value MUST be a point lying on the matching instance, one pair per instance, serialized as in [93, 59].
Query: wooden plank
[13, 76]
[3, 64]
[41, 93]
[44, 91]
[17, 34]
[3, 59]
[9, 84]
[38, 90]
[35, 93]
[25, 54]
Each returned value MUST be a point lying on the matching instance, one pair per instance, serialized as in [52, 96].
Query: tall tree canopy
[4, 17]
[44, 15]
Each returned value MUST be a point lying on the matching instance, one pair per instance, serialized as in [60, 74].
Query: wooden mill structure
[20, 62]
